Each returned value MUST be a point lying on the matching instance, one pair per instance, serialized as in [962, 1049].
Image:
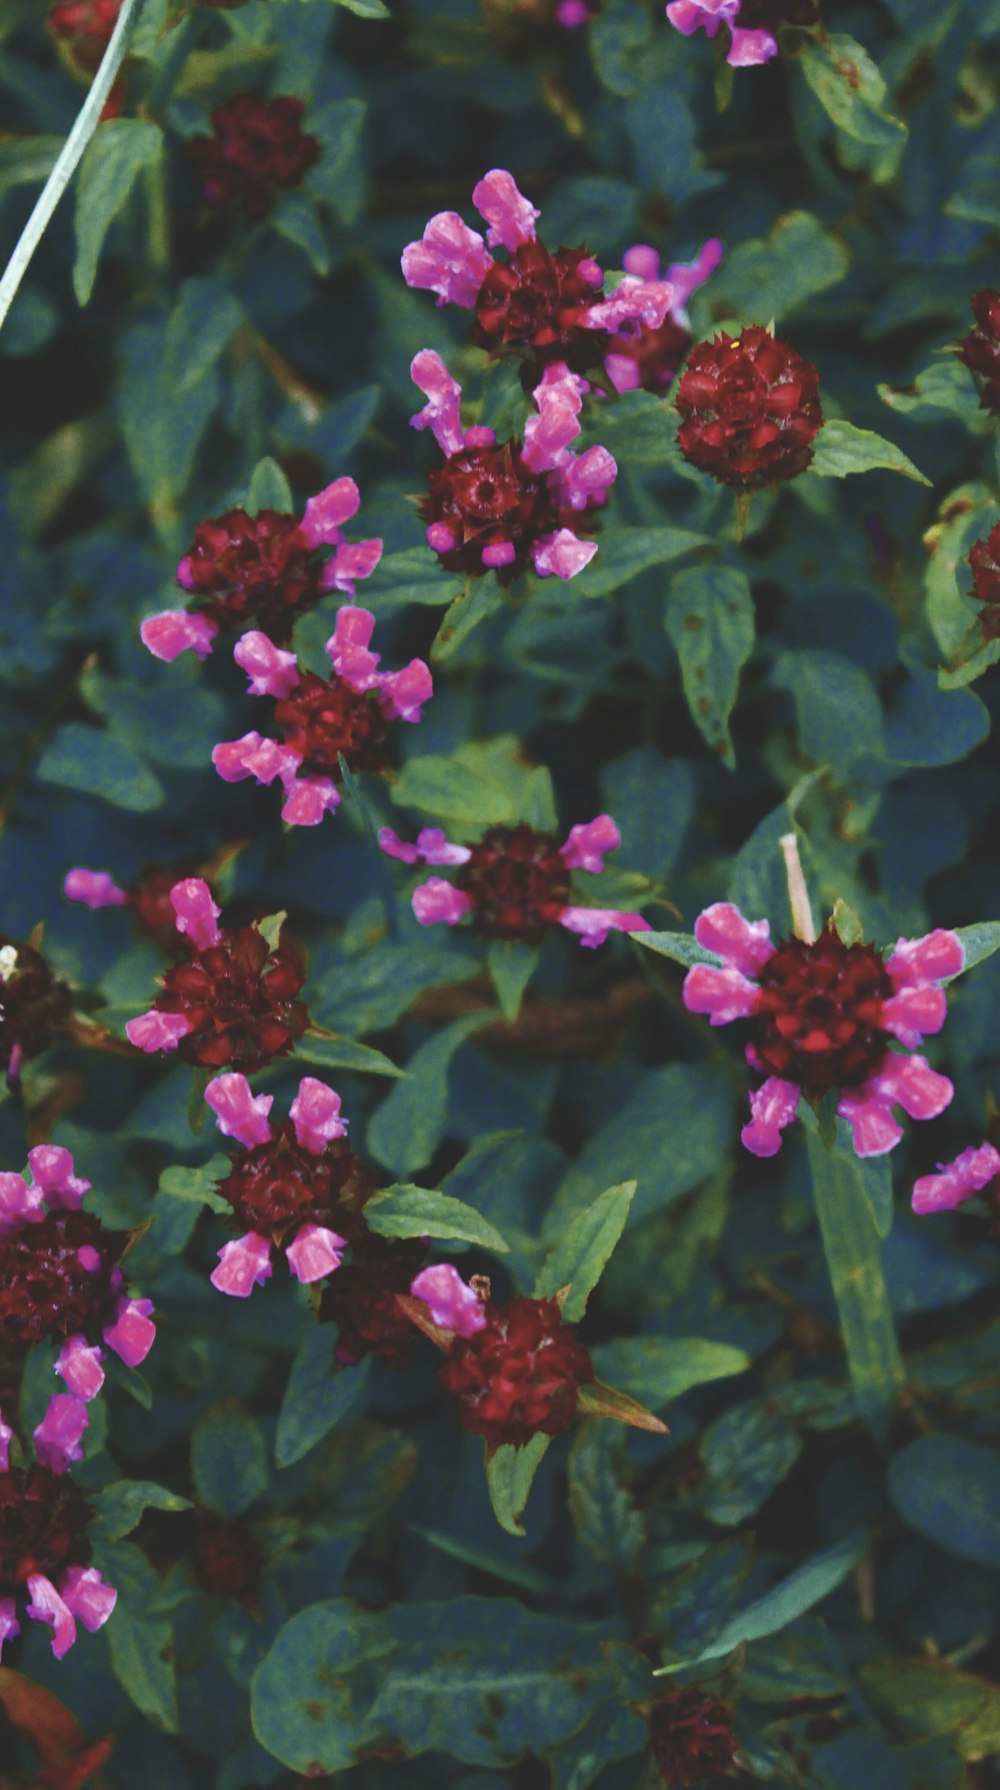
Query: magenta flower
[515, 882]
[549, 307]
[827, 1017]
[59, 1274]
[638, 355]
[957, 1181]
[747, 48]
[452, 1304]
[321, 720]
[265, 570]
[297, 1187]
[44, 1551]
[496, 507]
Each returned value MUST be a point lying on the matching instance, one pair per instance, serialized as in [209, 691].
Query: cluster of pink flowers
[748, 47]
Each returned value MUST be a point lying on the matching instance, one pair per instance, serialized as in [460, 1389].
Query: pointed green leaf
[408, 1211]
[583, 1250]
[509, 1474]
[512, 964]
[319, 1394]
[680, 946]
[116, 155]
[711, 620]
[269, 488]
[840, 449]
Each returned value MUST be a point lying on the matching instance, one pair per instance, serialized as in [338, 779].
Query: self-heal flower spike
[263, 571]
[498, 507]
[749, 408]
[751, 24]
[980, 349]
[955, 1182]
[234, 999]
[322, 720]
[44, 1551]
[827, 1016]
[296, 1185]
[984, 558]
[548, 307]
[691, 1736]
[59, 1275]
[257, 147]
[515, 882]
[651, 357]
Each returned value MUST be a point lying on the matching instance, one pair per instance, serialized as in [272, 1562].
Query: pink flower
[266, 570]
[501, 506]
[827, 1016]
[515, 882]
[747, 48]
[452, 1305]
[297, 1180]
[957, 1181]
[650, 356]
[321, 721]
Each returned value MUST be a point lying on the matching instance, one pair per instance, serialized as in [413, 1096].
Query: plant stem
[798, 895]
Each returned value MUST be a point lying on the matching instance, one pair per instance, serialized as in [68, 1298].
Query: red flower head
[258, 146]
[826, 1016]
[691, 1737]
[33, 1005]
[984, 558]
[227, 1557]
[516, 882]
[749, 410]
[59, 1274]
[264, 570]
[148, 897]
[87, 25]
[235, 998]
[296, 1182]
[361, 1299]
[500, 507]
[980, 349]
[321, 720]
[44, 1551]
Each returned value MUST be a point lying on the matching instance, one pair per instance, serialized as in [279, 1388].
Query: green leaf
[931, 1699]
[785, 1603]
[345, 1053]
[95, 763]
[337, 177]
[838, 714]
[640, 430]
[116, 155]
[852, 91]
[311, 1692]
[659, 1369]
[480, 599]
[711, 620]
[319, 1394]
[297, 219]
[583, 1250]
[202, 324]
[774, 275]
[604, 1514]
[269, 489]
[140, 1638]
[682, 947]
[509, 1475]
[367, 9]
[413, 576]
[479, 784]
[841, 449]
[948, 1488]
[120, 1506]
[228, 1458]
[626, 552]
[511, 964]
[978, 942]
[946, 385]
[405, 1130]
[408, 1211]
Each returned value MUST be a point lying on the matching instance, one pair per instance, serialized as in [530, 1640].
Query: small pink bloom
[743, 944]
[88, 1258]
[19, 1204]
[307, 799]
[452, 1304]
[47, 1606]
[351, 561]
[724, 995]
[874, 1129]
[79, 1365]
[85, 1593]
[315, 1113]
[510, 216]
[642, 262]
[157, 1031]
[548, 435]
[325, 512]
[916, 962]
[571, 14]
[561, 554]
[915, 1013]
[52, 1168]
[436, 901]
[57, 1437]
[773, 1107]
[197, 914]
[9, 1625]
[243, 1264]
[403, 693]
[686, 276]
[451, 260]
[315, 1252]
[911, 1083]
[238, 1112]
[442, 412]
[593, 924]
[133, 1332]
[6, 1433]
[271, 671]
[168, 635]
[431, 847]
[348, 647]
[693, 15]
[956, 1181]
[643, 302]
[94, 888]
[750, 48]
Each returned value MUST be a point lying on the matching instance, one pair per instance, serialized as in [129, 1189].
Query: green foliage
[228, 1458]
[710, 619]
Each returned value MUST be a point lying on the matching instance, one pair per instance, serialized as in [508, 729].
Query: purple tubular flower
[452, 1304]
[957, 1181]
[827, 1016]
[747, 48]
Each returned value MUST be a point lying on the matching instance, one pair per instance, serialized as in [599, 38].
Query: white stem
[86, 123]
[798, 895]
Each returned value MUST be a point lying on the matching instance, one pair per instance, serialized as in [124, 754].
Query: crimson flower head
[263, 571]
[498, 507]
[984, 558]
[44, 1551]
[515, 882]
[88, 24]
[980, 349]
[227, 1555]
[361, 1299]
[234, 998]
[297, 1181]
[691, 1736]
[828, 1016]
[257, 146]
[34, 1003]
[59, 1274]
[749, 408]
[651, 357]
[322, 720]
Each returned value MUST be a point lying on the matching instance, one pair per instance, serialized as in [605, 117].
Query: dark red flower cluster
[280, 1185]
[324, 719]
[260, 571]
[239, 998]
[820, 1012]
[33, 1005]
[657, 354]
[520, 1374]
[691, 1736]
[980, 349]
[537, 301]
[59, 1277]
[984, 558]
[485, 497]
[258, 146]
[87, 24]
[749, 410]
[227, 1557]
[43, 1522]
[519, 882]
[361, 1299]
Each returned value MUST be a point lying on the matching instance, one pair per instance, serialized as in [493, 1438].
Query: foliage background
[432, 1647]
